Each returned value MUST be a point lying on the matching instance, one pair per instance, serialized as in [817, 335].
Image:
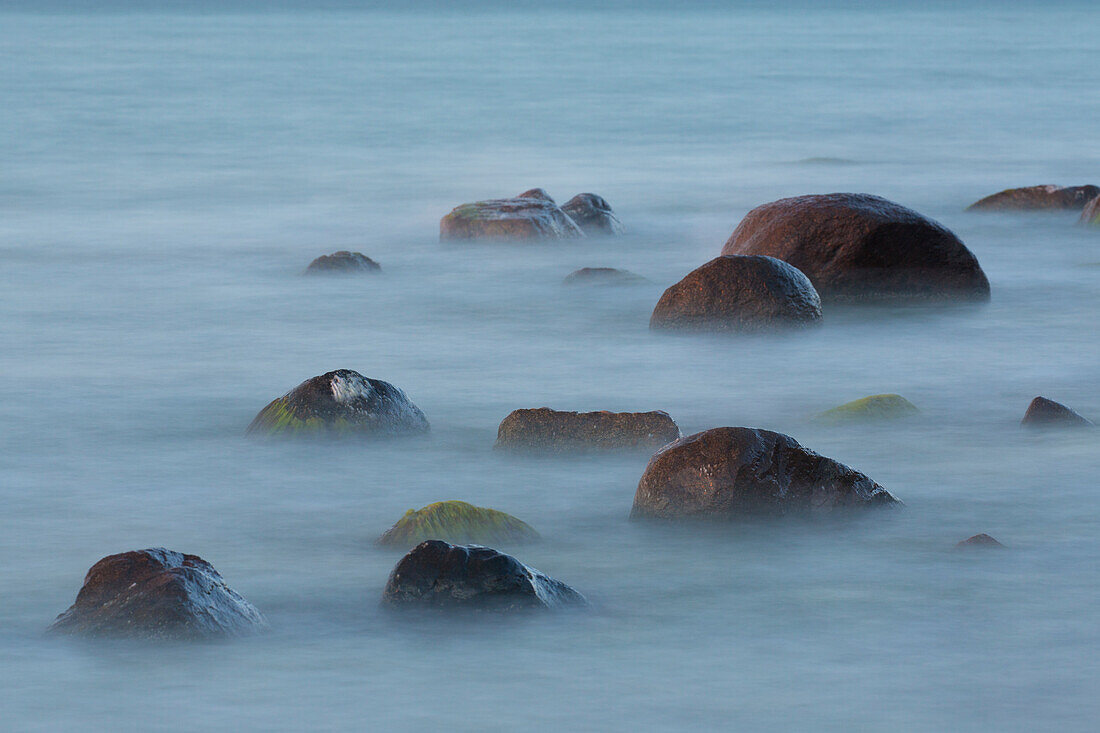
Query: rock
[1044, 413]
[978, 540]
[728, 473]
[342, 262]
[602, 276]
[592, 214]
[1090, 216]
[456, 522]
[341, 402]
[158, 594]
[739, 293]
[552, 431]
[1036, 198]
[875, 407]
[856, 247]
[436, 574]
[531, 215]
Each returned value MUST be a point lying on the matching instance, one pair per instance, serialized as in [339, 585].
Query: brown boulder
[1090, 215]
[1044, 413]
[552, 431]
[728, 473]
[1033, 198]
[857, 247]
[739, 293]
[342, 262]
[531, 215]
[592, 214]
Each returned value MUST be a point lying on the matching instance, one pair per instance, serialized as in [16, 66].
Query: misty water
[165, 176]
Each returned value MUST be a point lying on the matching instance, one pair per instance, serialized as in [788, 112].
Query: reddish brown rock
[1090, 215]
[1044, 413]
[855, 247]
[342, 262]
[592, 214]
[729, 473]
[552, 431]
[739, 293]
[1032, 198]
[531, 215]
[978, 540]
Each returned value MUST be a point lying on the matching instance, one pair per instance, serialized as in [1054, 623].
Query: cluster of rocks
[531, 215]
[1085, 199]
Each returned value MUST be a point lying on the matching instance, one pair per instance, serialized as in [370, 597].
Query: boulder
[1090, 215]
[436, 574]
[531, 215]
[456, 522]
[874, 407]
[729, 473]
[592, 214]
[855, 247]
[602, 276]
[158, 594]
[739, 293]
[978, 540]
[342, 262]
[1044, 413]
[341, 402]
[1033, 198]
[543, 430]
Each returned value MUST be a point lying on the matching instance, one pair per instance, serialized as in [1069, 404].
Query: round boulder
[729, 473]
[602, 276]
[856, 247]
[341, 402]
[739, 293]
[459, 523]
[1044, 413]
[875, 407]
[342, 262]
[531, 215]
[1032, 198]
[542, 430]
[592, 214]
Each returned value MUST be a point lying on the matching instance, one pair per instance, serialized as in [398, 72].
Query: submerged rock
[553, 431]
[602, 276]
[855, 247]
[341, 402]
[739, 293]
[157, 594]
[874, 407]
[1033, 198]
[1090, 215]
[1044, 413]
[342, 262]
[456, 522]
[729, 473]
[436, 574]
[978, 540]
[592, 214]
[531, 215]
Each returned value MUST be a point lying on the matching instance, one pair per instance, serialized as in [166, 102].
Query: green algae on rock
[459, 523]
[530, 215]
[874, 407]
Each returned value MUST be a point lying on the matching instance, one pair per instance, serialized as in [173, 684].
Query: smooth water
[166, 175]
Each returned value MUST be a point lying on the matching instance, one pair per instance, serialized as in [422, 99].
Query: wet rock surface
[343, 262]
[1033, 198]
[855, 247]
[1044, 413]
[530, 215]
[729, 473]
[1090, 215]
[868, 409]
[341, 402]
[602, 276]
[542, 430]
[157, 594]
[436, 574]
[978, 541]
[458, 523]
[739, 293]
[592, 214]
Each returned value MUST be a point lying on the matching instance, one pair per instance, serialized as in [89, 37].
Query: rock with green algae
[458, 523]
[874, 407]
[530, 215]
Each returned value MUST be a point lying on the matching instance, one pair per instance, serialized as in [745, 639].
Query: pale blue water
[165, 176]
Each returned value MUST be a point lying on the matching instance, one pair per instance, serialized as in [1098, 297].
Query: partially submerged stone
[731, 473]
[459, 523]
[1090, 215]
[739, 293]
[436, 574]
[341, 402]
[1044, 413]
[855, 247]
[602, 276]
[531, 215]
[342, 262]
[542, 430]
[592, 214]
[157, 594]
[1033, 198]
[978, 540]
[874, 407]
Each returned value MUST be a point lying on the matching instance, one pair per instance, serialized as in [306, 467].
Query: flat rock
[342, 262]
[978, 540]
[855, 247]
[1033, 198]
[543, 430]
[531, 215]
[592, 214]
[872, 408]
[458, 523]
[602, 276]
[1045, 413]
[730, 473]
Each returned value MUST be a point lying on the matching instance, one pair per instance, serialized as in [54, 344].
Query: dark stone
[552, 431]
[158, 594]
[1034, 198]
[531, 215]
[978, 540]
[592, 214]
[436, 574]
[739, 293]
[1090, 215]
[1044, 413]
[856, 247]
[341, 402]
[728, 473]
[602, 276]
[342, 262]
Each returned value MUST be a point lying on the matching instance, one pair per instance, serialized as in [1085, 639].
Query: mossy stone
[874, 407]
[456, 522]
